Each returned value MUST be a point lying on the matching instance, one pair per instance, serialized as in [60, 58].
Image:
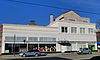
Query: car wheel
[36, 55]
[90, 52]
[24, 55]
[81, 52]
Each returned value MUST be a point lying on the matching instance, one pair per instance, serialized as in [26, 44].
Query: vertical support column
[76, 47]
[58, 47]
[46, 48]
[27, 43]
[27, 46]
[12, 48]
[3, 47]
[95, 46]
[38, 43]
[86, 45]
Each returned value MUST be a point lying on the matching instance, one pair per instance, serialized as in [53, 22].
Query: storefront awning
[98, 42]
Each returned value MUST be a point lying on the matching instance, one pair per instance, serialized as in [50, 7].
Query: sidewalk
[51, 54]
[9, 56]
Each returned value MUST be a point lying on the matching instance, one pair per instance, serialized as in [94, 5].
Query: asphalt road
[51, 57]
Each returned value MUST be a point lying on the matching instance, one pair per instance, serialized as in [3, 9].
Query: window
[47, 39]
[20, 38]
[90, 30]
[64, 29]
[83, 20]
[71, 19]
[73, 30]
[32, 38]
[9, 38]
[82, 30]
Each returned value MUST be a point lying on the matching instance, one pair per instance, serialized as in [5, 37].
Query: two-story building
[68, 32]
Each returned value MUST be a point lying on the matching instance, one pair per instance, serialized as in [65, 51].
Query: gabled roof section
[68, 12]
[71, 11]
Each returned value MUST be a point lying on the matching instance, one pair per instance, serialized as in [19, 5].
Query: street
[57, 56]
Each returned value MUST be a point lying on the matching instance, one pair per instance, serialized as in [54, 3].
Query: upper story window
[71, 19]
[83, 20]
[64, 29]
[9, 38]
[20, 38]
[73, 29]
[32, 38]
[90, 30]
[82, 30]
[47, 39]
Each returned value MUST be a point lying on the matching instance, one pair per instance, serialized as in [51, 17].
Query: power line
[54, 7]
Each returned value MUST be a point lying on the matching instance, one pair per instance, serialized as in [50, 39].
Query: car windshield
[86, 48]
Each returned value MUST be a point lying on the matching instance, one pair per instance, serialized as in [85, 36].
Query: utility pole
[14, 45]
[26, 44]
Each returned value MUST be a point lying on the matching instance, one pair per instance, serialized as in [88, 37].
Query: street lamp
[26, 43]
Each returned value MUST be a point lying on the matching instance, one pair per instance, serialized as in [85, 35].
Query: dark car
[85, 50]
[31, 53]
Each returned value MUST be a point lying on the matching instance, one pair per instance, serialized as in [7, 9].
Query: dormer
[71, 16]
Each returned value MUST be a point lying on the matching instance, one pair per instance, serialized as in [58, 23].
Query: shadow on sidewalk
[93, 58]
[46, 58]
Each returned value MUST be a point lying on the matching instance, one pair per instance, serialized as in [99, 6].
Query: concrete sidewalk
[51, 54]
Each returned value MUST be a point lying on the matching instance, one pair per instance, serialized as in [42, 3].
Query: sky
[19, 13]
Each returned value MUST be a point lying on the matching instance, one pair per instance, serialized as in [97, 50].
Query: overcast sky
[19, 13]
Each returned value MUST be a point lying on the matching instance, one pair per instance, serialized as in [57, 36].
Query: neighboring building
[68, 32]
[1, 30]
[98, 38]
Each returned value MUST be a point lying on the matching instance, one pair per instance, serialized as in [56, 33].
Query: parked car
[85, 50]
[32, 53]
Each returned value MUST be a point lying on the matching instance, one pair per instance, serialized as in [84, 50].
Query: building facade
[68, 32]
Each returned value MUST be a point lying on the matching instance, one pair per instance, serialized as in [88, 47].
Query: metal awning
[98, 42]
[65, 43]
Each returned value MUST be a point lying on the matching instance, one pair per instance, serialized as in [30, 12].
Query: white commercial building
[68, 32]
